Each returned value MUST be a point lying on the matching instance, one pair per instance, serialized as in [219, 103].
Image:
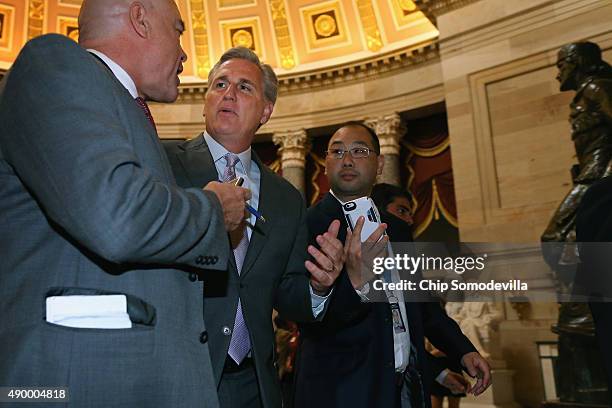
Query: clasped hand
[360, 256]
[233, 200]
[328, 260]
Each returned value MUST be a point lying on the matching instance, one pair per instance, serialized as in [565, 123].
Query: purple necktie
[145, 108]
[240, 344]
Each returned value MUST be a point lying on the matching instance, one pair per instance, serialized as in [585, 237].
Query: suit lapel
[199, 167]
[333, 209]
[261, 232]
[197, 162]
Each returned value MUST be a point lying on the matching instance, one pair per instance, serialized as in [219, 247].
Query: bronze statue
[580, 69]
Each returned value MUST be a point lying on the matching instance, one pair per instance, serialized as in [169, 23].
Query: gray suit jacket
[88, 205]
[273, 274]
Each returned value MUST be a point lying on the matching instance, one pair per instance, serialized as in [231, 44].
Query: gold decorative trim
[324, 26]
[70, 3]
[68, 26]
[436, 204]
[283, 36]
[433, 151]
[200, 38]
[7, 26]
[404, 13]
[411, 175]
[276, 166]
[245, 33]
[370, 25]
[319, 164]
[36, 18]
[223, 4]
[449, 217]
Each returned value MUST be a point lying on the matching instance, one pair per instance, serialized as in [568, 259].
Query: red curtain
[427, 171]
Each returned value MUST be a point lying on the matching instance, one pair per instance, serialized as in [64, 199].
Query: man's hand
[232, 200]
[477, 367]
[329, 260]
[358, 267]
[456, 383]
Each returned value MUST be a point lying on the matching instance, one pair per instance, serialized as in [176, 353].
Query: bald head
[101, 18]
[142, 36]
[104, 19]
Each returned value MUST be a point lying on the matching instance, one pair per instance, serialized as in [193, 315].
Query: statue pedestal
[499, 395]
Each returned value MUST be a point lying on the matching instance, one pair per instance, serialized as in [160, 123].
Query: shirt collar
[336, 197]
[123, 77]
[344, 202]
[217, 150]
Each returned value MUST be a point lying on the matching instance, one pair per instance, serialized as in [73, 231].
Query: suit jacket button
[199, 260]
[193, 276]
[204, 337]
[227, 331]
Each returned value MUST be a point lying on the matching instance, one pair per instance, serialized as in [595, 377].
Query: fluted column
[390, 130]
[294, 146]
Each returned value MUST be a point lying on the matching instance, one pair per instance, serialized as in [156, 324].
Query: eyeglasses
[356, 152]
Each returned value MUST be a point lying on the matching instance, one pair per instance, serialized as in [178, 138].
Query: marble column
[293, 147]
[390, 130]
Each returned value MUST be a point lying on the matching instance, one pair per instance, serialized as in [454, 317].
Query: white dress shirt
[120, 73]
[249, 170]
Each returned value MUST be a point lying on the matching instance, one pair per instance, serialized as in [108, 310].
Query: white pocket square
[92, 312]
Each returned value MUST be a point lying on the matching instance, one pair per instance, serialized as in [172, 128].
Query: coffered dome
[294, 36]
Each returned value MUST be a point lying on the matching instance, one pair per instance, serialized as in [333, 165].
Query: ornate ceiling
[297, 37]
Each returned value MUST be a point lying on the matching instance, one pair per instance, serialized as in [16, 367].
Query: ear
[381, 164]
[138, 19]
[267, 112]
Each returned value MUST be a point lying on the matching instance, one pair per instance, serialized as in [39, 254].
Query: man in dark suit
[356, 357]
[92, 224]
[269, 268]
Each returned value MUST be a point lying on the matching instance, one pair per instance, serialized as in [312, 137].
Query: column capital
[390, 130]
[293, 147]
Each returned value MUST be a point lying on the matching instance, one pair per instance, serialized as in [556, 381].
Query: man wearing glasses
[358, 357]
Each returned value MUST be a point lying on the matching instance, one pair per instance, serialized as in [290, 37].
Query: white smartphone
[361, 207]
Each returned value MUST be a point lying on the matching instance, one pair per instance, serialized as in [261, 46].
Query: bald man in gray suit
[93, 229]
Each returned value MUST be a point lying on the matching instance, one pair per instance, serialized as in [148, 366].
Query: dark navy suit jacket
[348, 359]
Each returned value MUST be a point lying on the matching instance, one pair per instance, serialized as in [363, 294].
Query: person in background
[395, 200]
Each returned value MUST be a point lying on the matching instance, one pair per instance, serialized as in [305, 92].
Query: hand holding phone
[361, 207]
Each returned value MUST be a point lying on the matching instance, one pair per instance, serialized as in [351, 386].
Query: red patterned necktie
[145, 108]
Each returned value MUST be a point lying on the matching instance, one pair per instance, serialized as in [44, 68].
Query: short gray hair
[269, 77]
